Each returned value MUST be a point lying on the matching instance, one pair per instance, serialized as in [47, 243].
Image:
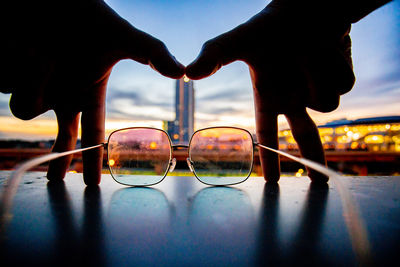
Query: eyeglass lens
[139, 156]
[221, 156]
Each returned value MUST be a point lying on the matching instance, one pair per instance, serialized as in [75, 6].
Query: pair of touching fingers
[290, 69]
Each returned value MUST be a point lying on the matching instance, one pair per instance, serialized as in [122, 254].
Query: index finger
[66, 140]
[306, 134]
[267, 134]
[93, 133]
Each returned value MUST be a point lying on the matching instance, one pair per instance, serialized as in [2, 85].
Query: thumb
[216, 53]
[207, 63]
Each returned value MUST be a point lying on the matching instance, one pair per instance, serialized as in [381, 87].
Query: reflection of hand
[61, 59]
[294, 63]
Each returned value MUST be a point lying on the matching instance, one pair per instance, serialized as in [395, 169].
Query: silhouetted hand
[297, 59]
[58, 55]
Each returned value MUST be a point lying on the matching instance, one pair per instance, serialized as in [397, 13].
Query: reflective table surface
[181, 222]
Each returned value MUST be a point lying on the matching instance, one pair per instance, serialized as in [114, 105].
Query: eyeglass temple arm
[354, 222]
[11, 185]
[309, 163]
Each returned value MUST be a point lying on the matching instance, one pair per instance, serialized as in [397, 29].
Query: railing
[360, 161]
[18, 154]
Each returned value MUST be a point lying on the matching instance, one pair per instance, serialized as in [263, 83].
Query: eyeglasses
[143, 156]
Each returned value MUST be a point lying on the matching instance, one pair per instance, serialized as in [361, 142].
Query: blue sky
[139, 96]
[226, 97]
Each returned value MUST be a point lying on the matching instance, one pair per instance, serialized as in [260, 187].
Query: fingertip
[206, 64]
[306, 134]
[180, 71]
[319, 185]
[57, 170]
[272, 174]
[318, 179]
[200, 69]
[192, 73]
[92, 167]
[166, 64]
[66, 140]
[176, 71]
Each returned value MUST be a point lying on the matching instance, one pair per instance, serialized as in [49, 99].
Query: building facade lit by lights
[379, 134]
[181, 129]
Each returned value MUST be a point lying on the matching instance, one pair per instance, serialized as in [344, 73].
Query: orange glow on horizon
[46, 128]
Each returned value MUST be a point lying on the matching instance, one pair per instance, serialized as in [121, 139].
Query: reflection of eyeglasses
[217, 155]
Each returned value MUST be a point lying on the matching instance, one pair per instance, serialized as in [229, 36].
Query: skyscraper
[183, 126]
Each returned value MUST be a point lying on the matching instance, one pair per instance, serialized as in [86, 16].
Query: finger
[306, 134]
[67, 135]
[162, 61]
[92, 123]
[216, 53]
[207, 63]
[156, 54]
[144, 48]
[267, 134]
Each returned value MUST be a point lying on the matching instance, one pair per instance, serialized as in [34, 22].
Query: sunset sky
[139, 96]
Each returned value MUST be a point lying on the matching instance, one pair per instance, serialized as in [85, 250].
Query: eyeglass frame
[172, 161]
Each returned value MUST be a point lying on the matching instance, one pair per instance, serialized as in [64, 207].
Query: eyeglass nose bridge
[173, 161]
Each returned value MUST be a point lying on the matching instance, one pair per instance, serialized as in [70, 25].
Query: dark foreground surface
[181, 222]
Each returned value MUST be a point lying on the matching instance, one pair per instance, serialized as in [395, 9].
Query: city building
[379, 134]
[181, 129]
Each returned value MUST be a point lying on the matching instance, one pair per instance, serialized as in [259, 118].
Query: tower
[181, 129]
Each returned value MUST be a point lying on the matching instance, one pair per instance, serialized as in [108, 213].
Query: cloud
[132, 105]
[137, 106]
[223, 110]
[232, 94]
[139, 99]
[234, 101]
